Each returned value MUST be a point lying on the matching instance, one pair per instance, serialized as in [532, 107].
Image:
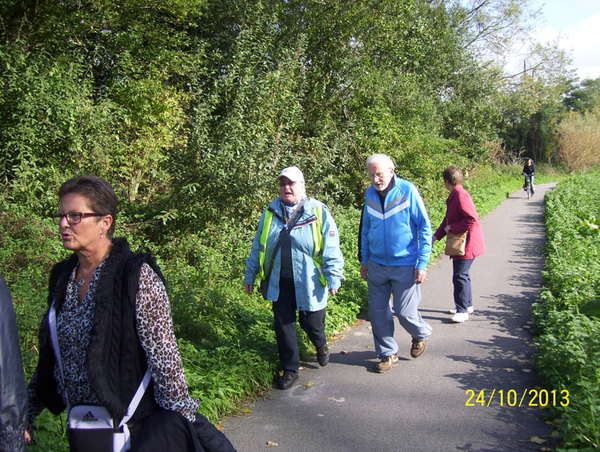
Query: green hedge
[567, 317]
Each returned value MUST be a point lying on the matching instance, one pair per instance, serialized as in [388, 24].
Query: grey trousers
[383, 282]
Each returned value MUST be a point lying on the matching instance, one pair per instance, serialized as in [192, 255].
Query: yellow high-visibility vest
[317, 228]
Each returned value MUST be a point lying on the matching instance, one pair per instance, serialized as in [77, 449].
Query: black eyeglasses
[74, 217]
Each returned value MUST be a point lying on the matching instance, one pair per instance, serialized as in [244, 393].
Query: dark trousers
[164, 430]
[169, 431]
[284, 317]
[463, 296]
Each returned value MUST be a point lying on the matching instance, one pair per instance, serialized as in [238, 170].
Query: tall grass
[579, 144]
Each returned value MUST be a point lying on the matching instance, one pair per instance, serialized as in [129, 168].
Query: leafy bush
[567, 317]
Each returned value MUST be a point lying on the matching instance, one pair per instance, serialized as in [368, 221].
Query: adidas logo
[89, 417]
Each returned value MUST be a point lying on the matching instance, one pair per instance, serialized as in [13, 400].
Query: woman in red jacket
[461, 216]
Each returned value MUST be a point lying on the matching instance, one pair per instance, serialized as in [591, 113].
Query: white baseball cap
[293, 173]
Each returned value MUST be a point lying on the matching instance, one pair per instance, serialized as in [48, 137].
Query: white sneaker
[469, 310]
[460, 317]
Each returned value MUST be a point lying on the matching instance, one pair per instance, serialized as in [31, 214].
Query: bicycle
[528, 187]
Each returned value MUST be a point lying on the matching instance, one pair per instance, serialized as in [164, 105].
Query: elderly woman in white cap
[296, 255]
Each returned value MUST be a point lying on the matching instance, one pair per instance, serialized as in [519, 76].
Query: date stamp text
[513, 398]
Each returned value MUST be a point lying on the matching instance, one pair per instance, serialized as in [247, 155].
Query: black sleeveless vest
[116, 361]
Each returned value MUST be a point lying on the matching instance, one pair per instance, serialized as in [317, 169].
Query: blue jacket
[398, 234]
[311, 295]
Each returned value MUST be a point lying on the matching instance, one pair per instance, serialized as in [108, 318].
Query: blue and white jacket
[397, 233]
[311, 294]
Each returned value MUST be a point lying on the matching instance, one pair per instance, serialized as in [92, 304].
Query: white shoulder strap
[54, 336]
[137, 398]
[131, 410]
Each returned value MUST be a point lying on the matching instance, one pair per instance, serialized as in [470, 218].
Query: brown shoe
[418, 348]
[387, 363]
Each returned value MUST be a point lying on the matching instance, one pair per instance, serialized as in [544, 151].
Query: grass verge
[566, 319]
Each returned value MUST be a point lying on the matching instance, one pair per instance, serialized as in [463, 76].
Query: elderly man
[395, 250]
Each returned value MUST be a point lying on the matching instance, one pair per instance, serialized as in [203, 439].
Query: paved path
[421, 404]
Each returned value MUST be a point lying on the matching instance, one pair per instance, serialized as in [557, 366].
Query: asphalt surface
[422, 404]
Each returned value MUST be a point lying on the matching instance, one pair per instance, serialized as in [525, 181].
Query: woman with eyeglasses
[296, 255]
[109, 325]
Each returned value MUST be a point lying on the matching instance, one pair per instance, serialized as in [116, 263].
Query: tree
[490, 28]
[111, 81]
[533, 106]
[169, 100]
[583, 97]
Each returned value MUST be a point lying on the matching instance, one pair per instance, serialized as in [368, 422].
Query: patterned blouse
[155, 330]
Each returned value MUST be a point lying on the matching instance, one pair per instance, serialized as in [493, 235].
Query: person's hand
[28, 432]
[333, 291]
[420, 276]
[363, 271]
[447, 228]
[433, 239]
[249, 288]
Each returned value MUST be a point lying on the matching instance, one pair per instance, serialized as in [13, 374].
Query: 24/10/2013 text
[535, 398]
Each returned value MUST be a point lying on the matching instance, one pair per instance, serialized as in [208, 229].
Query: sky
[577, 24]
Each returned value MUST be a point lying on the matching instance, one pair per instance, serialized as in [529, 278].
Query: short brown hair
[453, 175]
[98, 192]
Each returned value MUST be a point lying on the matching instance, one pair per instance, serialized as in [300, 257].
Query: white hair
[380, 158]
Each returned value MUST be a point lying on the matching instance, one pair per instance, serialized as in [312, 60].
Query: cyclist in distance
[529, 172]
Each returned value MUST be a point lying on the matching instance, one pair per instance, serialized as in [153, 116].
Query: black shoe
[287, 381]
[323, 355]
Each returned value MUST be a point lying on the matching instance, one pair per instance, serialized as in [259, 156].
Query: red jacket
[462, 216]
